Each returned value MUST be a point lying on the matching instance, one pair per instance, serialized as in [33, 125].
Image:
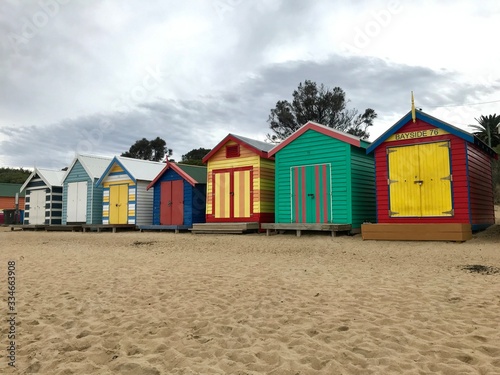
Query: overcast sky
[94, 76]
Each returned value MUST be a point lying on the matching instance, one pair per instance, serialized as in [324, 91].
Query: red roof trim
[230, 137]
[175, 168]
[320, 129]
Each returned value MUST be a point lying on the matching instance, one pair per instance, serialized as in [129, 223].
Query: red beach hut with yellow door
[433, 182]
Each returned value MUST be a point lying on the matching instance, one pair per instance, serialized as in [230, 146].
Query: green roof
[10, 190]
[198, 173]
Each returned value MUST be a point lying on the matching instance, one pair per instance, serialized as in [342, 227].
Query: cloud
[242, 108]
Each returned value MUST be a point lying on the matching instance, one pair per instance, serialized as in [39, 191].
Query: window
[233, 151]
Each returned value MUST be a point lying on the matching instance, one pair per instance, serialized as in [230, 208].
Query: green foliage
[319, 104]
[488, 129]
[14, 175]
[195, 156]
[154, 150]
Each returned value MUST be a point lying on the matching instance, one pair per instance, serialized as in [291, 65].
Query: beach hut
[433, 181]
[179, 196]
[8, 207]
[8, 196]
[240, 183]
[324, 181]
[82, 199]
[126, 199]
[43, 202]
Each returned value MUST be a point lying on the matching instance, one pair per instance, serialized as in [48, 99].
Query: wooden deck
[272, 228]
[63, 228]
[417, 232]
[27, 227]
[107, 227]
[224, 228]
[159, 228]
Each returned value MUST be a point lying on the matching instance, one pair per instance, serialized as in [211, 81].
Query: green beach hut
[324, 181]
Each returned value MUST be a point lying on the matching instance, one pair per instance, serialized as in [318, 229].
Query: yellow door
[436, 179]
[420, 180]
[222, 190]
[404, 193]
[118, 204]
[242, 194]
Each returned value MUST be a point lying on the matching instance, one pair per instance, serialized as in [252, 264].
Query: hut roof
[93, 165]
[137, 169]
[10, 190]
[191, 173]
[49, 177]
[434, 122]
[333, 133]
[259, 147]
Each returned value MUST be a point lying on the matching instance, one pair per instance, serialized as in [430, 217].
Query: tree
[195, 156]
[154, 150]
[14, 175]
[488, 129]
[319, 104]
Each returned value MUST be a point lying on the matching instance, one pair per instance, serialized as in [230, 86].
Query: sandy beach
[164, 303]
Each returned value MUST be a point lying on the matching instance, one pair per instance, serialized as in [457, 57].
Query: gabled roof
[137, 169]
[93, 165]
[191, 173]
[49, 176]
[259, 147]
[330, 132]
[434, 122]
[10, 190]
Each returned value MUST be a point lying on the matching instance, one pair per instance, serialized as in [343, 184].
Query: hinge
[392, 213]
[447, 144]
[389, 181]
[389, 150]
[447, 178]
[450, 212]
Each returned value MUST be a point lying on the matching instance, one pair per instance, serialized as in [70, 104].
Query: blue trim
[106, 172]
[468, 181]
[426, 118]
[452, 185]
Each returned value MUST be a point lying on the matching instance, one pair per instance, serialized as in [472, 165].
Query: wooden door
[222, 195]
[118, 204]
[311, 194]
[420, 181]
[172, 203]
[37, 207]
[76, 202]
[233, 191]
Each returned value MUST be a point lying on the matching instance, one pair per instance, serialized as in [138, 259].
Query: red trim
[231, 194]
[265, 217]
[304, 216]
[230, 137]
[318, 203]
[232, 169]
[330, 132]
[296, 183]
[251, 192]
[326, 193]
[176, 169]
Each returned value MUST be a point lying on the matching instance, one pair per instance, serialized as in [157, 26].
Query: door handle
[420, 182]
[169, 203]
[231, 193]
[311, 195]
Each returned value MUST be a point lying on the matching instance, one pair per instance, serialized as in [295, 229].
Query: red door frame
[231, 188]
